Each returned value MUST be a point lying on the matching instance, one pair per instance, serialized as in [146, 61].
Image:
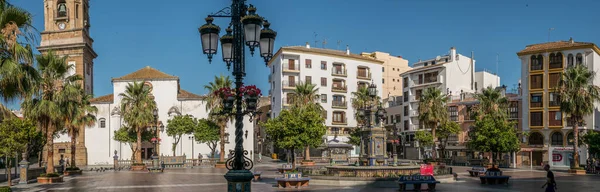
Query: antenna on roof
[324, 42]
[315, 39]
[338, 44]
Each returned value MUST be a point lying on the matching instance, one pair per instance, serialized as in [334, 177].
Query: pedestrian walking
[550, 182]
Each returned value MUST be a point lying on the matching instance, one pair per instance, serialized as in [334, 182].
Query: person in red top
[550, 182]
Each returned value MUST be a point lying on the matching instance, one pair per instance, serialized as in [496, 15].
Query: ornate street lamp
[372, 90]
[245, 29]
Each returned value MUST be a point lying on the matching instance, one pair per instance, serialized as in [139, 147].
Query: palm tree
[44, 106]
[305, 96]
[17, 75]
[361, 99]
[492, 102]
[78, 112]
[432, 111]
[215, 106]
[137, 105]
[577, 97]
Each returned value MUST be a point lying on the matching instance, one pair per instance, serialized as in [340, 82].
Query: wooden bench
[494, 177]
[257, 175]
[417, 181]
[476, 171]
[289, 182]
[173, 161]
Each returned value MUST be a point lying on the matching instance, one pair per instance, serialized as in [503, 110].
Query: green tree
[129, 136]
[577, 97]
[294, 129]
[445, 130]
[137, 105]
[207, 132]
[432, 112]
[178, 126]
[214, 104]
[77, 112]
[592, 139]
[424, 138]
[495, 135]
[355, 137]
[44, 106]
[15, 133]
[305, 96]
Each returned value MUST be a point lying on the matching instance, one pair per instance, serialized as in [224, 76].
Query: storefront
[563, 156]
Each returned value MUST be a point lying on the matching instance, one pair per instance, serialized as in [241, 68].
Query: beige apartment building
[392, 67]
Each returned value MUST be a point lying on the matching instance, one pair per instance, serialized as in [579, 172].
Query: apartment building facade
[550, 132]
[453, 74]
[336, 74]
[392, 67]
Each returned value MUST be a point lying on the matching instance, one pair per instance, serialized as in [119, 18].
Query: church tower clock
[67, 33]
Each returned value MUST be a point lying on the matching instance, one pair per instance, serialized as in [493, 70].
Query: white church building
[171, 101]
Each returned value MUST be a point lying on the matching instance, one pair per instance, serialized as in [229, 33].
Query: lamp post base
[239, 180]
[155, 163]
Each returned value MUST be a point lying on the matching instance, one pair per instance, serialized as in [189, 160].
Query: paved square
[210, 179]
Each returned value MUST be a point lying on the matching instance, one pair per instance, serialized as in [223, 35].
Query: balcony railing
[366, 76]
[339, 104]
[431, 81]
[286, 101]
[289, 84]
[286, 67]
[414, 113]
[339, 72]
[339, 88]
[536, 104]
[415, 127]
[343, 121]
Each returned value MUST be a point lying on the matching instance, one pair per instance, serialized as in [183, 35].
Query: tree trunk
[222, 144]
[433, 149]
[307, 153]
[293, 160]
[575, 145]
[50, 150]
[8, 167]
[138, 154]
[73, 148]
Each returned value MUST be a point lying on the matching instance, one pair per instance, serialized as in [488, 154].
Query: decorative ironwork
[247, 162]
[225, 12]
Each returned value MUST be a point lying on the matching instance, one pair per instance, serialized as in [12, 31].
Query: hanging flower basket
[227, 96]
[251, 94]
[155, 140]
[228, 104]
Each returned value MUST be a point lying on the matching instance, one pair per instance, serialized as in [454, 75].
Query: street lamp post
[246, 28]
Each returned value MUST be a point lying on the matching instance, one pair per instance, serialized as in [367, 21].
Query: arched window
[570, 60]
[579, 59]
[535, 63]
[102, 123]
[570, 137]
[540, 60]
[536, 139]
[556, 60]
[557, 139]
[61, 8]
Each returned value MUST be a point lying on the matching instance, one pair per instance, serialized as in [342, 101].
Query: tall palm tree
[305, 96]
[492, 102]
[137, 105]
[78, 112]
[44, 106]
[17, 74]
[577, 97]
[361, 99]
[214, 104]
[432, 111]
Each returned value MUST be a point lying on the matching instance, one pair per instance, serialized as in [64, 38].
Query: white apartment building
[550, 132]
[336, 74]
[453, 74]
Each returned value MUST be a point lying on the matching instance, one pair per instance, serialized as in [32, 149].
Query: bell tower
[66, 33]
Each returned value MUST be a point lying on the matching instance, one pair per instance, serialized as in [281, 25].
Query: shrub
[73, 169]
[50, 175]
[5, 189]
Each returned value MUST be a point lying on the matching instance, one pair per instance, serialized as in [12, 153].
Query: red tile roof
[103, 99]
[556, 46]
[146, 73]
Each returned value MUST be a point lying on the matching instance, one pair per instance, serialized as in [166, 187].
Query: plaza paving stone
[210, 179]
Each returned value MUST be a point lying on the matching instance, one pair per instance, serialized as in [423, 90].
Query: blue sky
[131, 34]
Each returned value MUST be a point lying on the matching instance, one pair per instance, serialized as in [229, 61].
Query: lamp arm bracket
[225, 12]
